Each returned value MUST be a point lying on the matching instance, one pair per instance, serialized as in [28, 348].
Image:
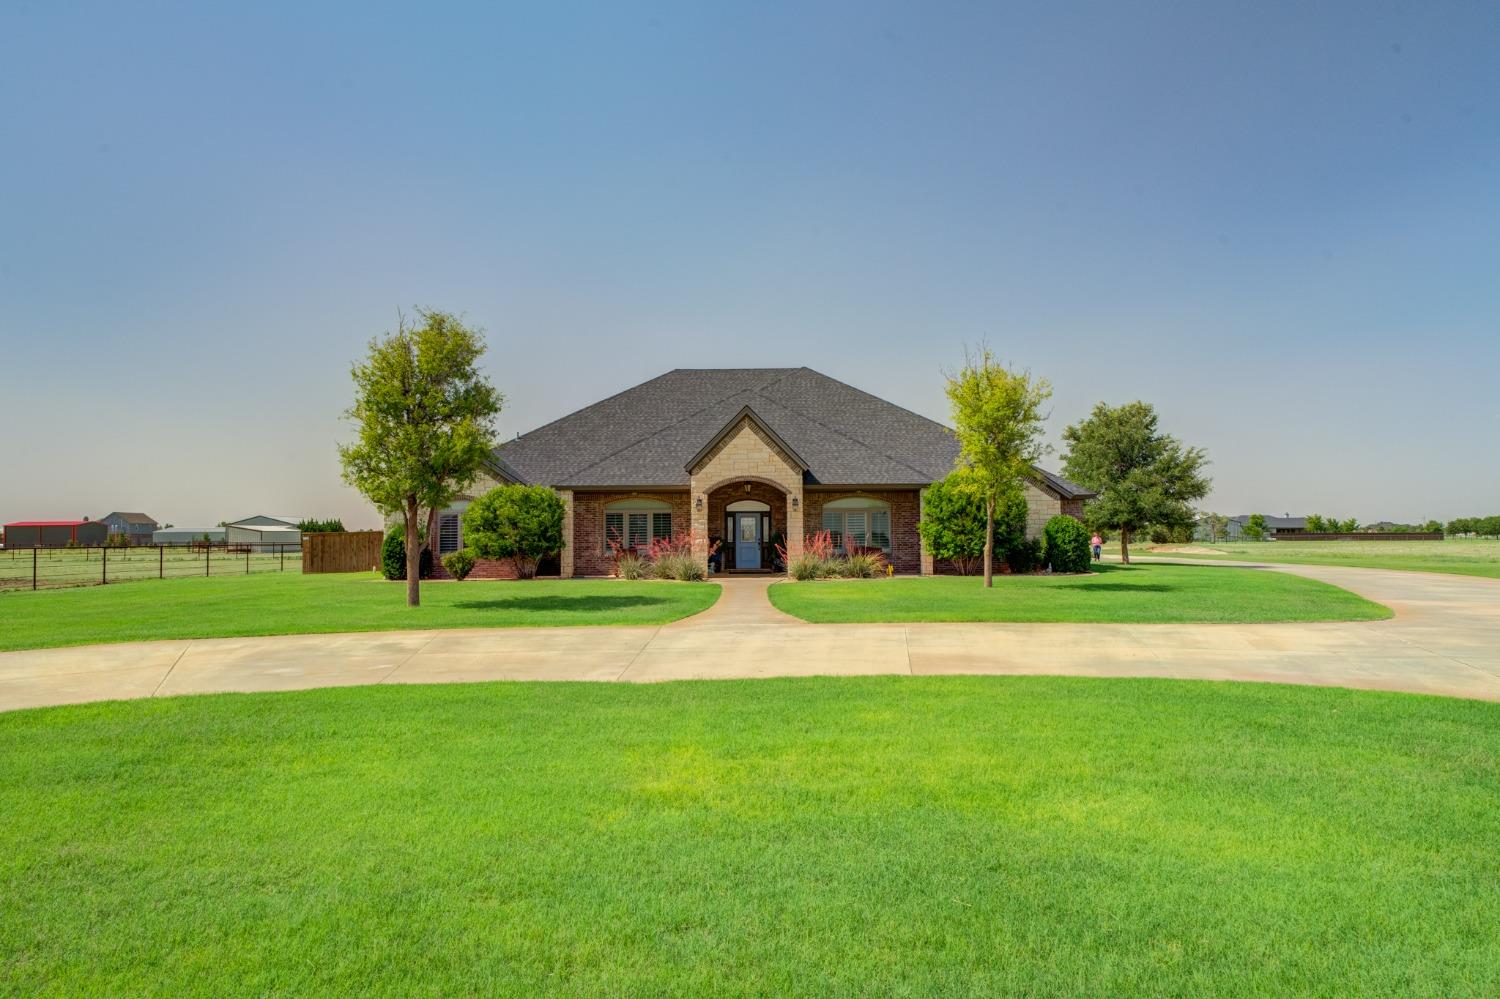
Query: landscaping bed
[914, 836]
[1112, 594]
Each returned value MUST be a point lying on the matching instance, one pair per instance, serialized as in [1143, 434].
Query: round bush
[459, 564]
[1066, 544]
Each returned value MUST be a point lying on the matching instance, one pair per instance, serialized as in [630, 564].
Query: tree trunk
[1124, 546]
[989, 542]
[413, 555]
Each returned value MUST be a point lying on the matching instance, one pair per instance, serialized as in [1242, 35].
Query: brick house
[745, 456]
[138, 527]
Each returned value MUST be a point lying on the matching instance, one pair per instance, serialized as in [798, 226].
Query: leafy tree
[1432, 527]
[1348, 526]
[333, 526]
[524, 523]
[425, 417]
[997, 415]
[393, 555]
[952, 524]
[1316, 524]
[1142, 476]
[1255, 527]
[1216, 523]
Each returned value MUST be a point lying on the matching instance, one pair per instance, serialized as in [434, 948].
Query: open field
[1115, 594]
[1465, 556]
[975, 836]
[62, 567]
[291, 603]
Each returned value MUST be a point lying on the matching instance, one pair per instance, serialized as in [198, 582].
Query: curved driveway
[1445, 639]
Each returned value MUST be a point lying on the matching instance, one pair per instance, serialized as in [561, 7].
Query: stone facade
[1042, 506]
[746, 455]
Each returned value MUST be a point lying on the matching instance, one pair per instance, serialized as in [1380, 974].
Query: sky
[1277, 222]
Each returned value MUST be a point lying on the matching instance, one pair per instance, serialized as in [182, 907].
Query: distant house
[1274, 526]
[264, 529]
[187, 535]
[135, 526]
[54, 533]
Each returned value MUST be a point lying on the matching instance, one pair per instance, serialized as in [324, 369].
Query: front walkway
[1445, 639]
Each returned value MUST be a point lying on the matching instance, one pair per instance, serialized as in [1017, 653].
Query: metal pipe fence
[98, 565]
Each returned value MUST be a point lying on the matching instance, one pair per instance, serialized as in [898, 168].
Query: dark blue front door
[747, 541]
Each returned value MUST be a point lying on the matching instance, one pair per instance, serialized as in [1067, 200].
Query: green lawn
[282, 604]
[914, 836]
[1114, 594]
[1464, 556]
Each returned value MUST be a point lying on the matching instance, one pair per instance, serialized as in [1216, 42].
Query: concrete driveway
[1445, 639]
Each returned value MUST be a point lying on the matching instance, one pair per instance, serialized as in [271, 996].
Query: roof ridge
[862, 443]
[660, 430]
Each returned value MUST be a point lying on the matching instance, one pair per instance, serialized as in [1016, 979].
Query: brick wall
[906, 544]
[591, 555]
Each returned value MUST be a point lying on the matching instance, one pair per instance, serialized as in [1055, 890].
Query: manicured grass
[913, 836]
[1114, 594]
[284, 604]
[1464, 556]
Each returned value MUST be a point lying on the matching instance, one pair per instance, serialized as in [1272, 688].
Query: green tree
[1142, 476]
[524, 523]
[952, 524]
[425, 419]
[1255, 527]
[997, 415]
[1348, 526]
[1316, 524]
[1217, 525]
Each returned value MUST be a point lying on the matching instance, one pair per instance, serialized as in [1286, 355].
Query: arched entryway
[748, 520]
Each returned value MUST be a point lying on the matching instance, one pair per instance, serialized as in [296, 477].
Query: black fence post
[161, 563]
[247, 560]
[283, 558]
[33, 568]
[206, 549]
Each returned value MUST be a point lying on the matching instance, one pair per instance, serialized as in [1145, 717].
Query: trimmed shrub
[1024, 556]
[393, 556]
[460, 563]
[524, 523]
[332, 526]
[1066, 544]
[952, 524]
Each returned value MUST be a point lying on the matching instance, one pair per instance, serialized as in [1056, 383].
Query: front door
[747, 541]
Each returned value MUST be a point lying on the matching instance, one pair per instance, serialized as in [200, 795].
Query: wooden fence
[341, 551]
[1363, 536]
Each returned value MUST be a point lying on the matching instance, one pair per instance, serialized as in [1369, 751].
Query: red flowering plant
[816, 560]
[673, 558]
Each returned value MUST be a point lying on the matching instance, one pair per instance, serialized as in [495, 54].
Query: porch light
[795, 504]
[747, 487]
[698, 504]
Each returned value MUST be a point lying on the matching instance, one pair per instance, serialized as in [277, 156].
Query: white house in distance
[187, 535]
[263, 529]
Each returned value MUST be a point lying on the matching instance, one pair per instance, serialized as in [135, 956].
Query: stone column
[566, 558]
[698, 511]
[794, 529]
[926, 552]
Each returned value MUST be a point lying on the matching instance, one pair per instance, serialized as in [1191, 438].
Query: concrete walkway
[1445, 639]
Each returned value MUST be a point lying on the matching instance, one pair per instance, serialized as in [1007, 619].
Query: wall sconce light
[795, 504]
[698, 504]
[747, 487]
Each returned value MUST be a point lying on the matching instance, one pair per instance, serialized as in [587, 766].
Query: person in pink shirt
[1098, 545]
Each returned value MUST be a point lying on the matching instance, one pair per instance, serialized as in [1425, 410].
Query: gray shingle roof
[646, 435]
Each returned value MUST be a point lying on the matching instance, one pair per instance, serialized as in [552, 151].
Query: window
[636, 523]
[859, 522]
[449, 535]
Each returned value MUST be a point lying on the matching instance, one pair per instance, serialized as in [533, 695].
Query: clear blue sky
[1280, 223]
